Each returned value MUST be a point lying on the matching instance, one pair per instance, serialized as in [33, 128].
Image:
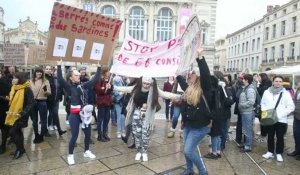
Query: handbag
[269, 117]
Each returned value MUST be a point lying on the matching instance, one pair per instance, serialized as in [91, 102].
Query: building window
[281, 54]
[137, 23]
[295, 6]
[266, 53]
[164, 24]
[253, 44]
[247, 46]
[238, 48]
[257, 62]
[268, 19]
[267, 33]
[203, 36]
[108, 11]
[252, 63]
[282, 27]
[243, 47]
[229, 52]
[258, 43]
[273, 53]
[292, 50]
[254, 30]
[274, 31]
[294, 27]
[234, 50]
[275, 15]
[283, 11]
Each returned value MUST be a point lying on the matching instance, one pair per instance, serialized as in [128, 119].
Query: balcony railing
[290, 58]
[271, 60]
[264, 61]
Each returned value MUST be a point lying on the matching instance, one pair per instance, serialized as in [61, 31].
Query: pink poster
[185, 14]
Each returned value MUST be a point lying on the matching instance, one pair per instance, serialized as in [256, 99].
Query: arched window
[108, 11]
[137, 23]
[164, 24]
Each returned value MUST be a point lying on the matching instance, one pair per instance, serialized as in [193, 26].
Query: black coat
[5, 86]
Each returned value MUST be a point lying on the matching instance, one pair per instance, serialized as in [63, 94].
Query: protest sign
[190, 42]
[81, 36]
[137, 58]
[37, 55]
[13, 55]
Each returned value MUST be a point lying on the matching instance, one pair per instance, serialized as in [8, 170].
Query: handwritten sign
[69, 25]
[138, 58]
[13, 55]
[191, 41]
[37, 55]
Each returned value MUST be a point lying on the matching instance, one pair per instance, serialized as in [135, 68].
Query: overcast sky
[232, 15]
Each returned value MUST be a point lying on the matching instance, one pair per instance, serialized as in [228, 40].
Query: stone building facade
[2, 25]
[156, 20]
[220, 56]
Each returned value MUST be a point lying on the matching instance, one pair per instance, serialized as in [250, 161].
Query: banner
[137, 58]
[190, 42]
[81, 36]
[14, 55]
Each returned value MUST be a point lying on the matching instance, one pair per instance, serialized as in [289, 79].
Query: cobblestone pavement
[165, 156]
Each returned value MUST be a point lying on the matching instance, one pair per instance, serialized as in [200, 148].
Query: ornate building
[156, 20]
[1, 34]
[220, 56]
[27, 33]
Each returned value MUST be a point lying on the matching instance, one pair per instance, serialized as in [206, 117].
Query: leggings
[75, 121]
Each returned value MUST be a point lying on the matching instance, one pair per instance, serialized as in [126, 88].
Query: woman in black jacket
[21, 101]
[195, 116]
[78, 97]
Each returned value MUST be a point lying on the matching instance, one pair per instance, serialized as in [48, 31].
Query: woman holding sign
[141, 109]
[195, 114]
[78, 96]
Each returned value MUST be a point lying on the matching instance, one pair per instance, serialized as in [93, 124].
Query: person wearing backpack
[78, 97]
[277, 98]
[246, 103]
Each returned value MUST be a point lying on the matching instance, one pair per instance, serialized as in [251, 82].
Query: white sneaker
[55, 127]
[138, 156]
[123, 134]
[279, 158]
[145, 157]
[268, 155]
[118, 135]
[50, 128]
[71, 160]
[89, 154]
[67, 122]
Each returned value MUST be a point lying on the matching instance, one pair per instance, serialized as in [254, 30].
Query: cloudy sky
[231, 14]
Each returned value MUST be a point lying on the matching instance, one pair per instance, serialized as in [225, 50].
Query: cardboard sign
[37, 55]
[80, 36]
[138, 58]
[14, 55]
[191, 41]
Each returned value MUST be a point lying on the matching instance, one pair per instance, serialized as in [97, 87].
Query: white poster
[97, 51]
[78, 48]
[60, 47]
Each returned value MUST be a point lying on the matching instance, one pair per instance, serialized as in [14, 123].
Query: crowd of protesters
[204, 102]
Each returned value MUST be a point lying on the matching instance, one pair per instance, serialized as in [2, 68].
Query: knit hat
[147, 80]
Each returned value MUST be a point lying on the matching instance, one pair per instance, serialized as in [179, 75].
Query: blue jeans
[169, 109]
[75, 121]
[120, 118]
[113, 114]
[239, 130]
[39, 108]
[247, 123]
[103, 119]
[296, 133]
[175, 116]
[216, 144]
[192, 137]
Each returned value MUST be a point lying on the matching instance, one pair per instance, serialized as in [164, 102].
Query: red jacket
[168, 86]
[103, 96]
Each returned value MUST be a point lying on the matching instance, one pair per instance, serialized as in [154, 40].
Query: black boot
[125, 139]
[38, 139]
[61, 132]
[18, 154]
[101, 137]
[2, 149]
[106, 136]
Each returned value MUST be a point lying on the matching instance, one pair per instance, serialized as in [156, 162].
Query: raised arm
[92, 82]
[60, 78]
[124, 89]
[204, 74]
[168, 95]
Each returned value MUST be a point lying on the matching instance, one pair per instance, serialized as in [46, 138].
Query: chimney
[269, 9]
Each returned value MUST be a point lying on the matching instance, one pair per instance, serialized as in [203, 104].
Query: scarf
[150, 113]
[274, 90]
[16, 101]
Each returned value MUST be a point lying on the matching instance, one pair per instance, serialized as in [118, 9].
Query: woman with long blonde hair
[195, 114]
